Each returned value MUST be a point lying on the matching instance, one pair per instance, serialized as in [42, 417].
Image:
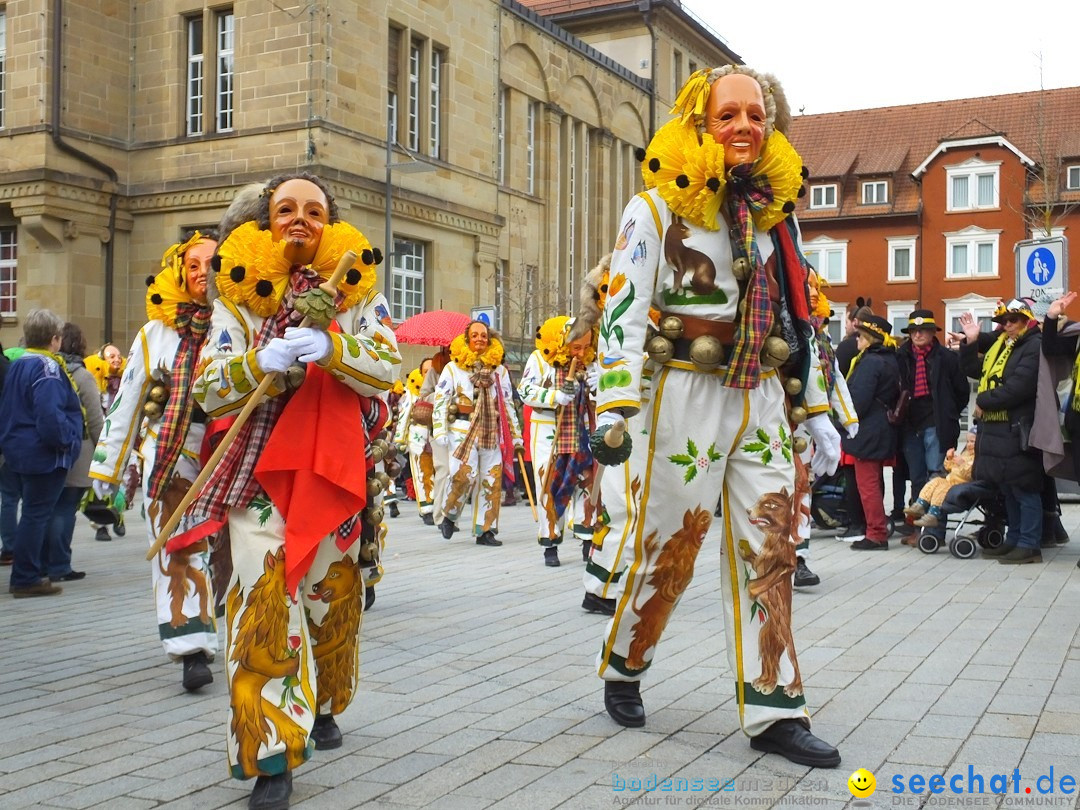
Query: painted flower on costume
[768, 446]
[694, 462]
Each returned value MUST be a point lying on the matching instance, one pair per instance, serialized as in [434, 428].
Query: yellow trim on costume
[335, 364]
[735, 580]
[136, 420]
[814, 411]
[686, 365]
[655, 214]
[639, 529]
[631, 519]
[619, 403]
[235, 312]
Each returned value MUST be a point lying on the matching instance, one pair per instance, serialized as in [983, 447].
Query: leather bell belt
[700, 341]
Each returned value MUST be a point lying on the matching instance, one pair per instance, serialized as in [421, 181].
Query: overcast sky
[833, 55]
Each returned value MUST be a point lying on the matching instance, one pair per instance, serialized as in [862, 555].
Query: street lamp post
[410, 166]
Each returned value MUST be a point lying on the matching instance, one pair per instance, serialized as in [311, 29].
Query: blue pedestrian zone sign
[1041, 266]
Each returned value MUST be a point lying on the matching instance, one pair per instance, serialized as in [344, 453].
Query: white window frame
[822, 245]
[225, 89]
[195, 80]
[3, 66]
[819, 195]
[896, 244]
[500, 137]
[435, 103]
[9, 266]
[530, 146]
[392, 111]
[1072, 178]
[412, 122]
[407, 288]
[973, 238]
[837, 323]
[896, 313]
[971, 170]
[875, 192]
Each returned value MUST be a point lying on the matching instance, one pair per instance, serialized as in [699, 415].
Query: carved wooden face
[299, 211]
[196, 266]
[576, 348]
[735, 117]
[478, 338]
[113, 358]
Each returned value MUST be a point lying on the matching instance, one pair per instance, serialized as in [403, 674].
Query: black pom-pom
[682, 181]
[805, 172]
[378, 255]
[538, 333]
[263, 288]
[149, 280]
[654, 165]
[366, 256]
[155, 299]
[713, 184]
[603, 288]
[237, 273]
[353, 276]
[547, 351]
[639, 154]
[802, 191]
[788, 207]
[215, 263]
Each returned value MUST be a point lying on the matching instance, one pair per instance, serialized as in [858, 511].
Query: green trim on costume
[618, 663]
[777, 699]
[167, 631]
[271, 765]
[603, 574]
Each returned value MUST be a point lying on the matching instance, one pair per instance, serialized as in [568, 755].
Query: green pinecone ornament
[604, 453]
[318, 305]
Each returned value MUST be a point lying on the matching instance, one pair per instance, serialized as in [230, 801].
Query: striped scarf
[192, 324]
[747, 194]
[922, 385]
[484, 426]
[573, 459]
[569, 416]
[233, 481]
[993, 374]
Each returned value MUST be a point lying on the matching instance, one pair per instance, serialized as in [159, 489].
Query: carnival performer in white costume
[412, 437]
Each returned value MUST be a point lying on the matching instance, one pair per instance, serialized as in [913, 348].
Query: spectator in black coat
[931, 375]
[872, 381]
[1006, 364]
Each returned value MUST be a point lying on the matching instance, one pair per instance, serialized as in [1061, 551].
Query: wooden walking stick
[330, 287]
[613, 439]
[528, 486]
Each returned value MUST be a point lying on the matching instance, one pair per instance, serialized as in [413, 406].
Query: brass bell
[373, 515]
[452, 411]
[740, 268]
[384, 479]
[151, 409]
[368, 552]
[294, 376]
[393, 469]
[798, 414]
[374, 486]
[378, 450]
[775, 352]
[793, 386]
[798, 444]
[159, 394]
[660, 349]
[671, 327]
[706, 352]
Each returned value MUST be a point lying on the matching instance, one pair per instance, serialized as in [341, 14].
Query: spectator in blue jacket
[41, 433]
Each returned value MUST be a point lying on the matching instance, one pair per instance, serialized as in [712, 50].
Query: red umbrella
[435, 328]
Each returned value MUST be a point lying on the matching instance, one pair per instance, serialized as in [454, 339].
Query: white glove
[592, 377]
[826, 445]
[562, 398]
[608, 418]
[308, 345]
[852, 429]
[275, 356]
[103, 489]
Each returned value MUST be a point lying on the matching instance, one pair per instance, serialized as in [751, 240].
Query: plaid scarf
[192, 324]
[922, 386]
[233, 481]
[747, 194]
[484, 426]
[573, 456]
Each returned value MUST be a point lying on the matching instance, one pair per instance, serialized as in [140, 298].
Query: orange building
[922, 205]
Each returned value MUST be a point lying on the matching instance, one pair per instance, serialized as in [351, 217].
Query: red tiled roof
[877, 137]
[549, 7]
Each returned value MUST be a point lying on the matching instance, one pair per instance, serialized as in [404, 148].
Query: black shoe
[597, 604]
[622, 699]
[119, 529]
[394, 510]
[804, 577]
[429, 519]
[325, 732]
[71, 576]
[102, 534]
[793, 740]
[488, 539]
[197, 672]
[447, 527]
[870, 545]
[586, 550]
[551, 557]
[997, 551]
[369, 597]
[271, 792]
[1020, 556]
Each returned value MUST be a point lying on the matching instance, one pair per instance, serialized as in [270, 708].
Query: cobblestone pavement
[478, 688]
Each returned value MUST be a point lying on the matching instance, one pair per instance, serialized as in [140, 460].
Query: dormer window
[823, 196]
[875, 192]
[1072, 180]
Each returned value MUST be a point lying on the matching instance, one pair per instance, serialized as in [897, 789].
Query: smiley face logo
[862, 783]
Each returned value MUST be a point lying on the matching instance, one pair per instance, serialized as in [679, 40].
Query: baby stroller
[973, 504]
[827, 503]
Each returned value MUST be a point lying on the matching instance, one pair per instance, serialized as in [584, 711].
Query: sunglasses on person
[1015, 319]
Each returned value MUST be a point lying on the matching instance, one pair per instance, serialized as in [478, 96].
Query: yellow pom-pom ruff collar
[169, 287]
[254, 271]
[467, 359]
